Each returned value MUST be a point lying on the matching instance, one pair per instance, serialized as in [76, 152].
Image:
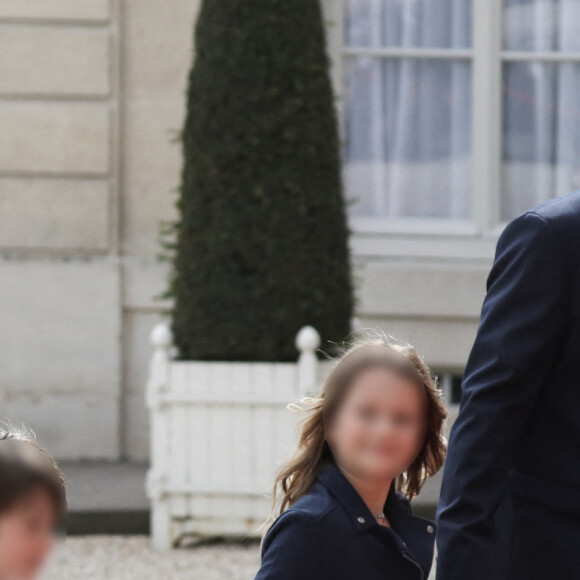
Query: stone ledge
[103, 486]
[68, 10]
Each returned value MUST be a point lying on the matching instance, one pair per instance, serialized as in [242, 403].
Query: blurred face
[26, 536]
[379, 428]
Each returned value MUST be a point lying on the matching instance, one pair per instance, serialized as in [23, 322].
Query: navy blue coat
[510, 497]
[330, 533]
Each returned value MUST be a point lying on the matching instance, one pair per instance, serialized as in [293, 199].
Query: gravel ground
[131, 557]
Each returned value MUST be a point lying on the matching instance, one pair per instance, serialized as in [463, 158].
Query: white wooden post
[307, 341]
[157, 386]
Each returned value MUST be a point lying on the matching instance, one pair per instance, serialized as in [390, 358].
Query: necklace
[383, 519]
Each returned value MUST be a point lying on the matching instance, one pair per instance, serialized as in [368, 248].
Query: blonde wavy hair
[296, 476]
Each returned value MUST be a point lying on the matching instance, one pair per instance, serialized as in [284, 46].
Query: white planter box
[219, 431]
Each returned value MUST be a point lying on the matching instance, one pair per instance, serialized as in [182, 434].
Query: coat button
[430, 529]
[361, 520]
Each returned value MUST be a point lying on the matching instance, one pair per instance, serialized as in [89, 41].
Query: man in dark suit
[510, 497]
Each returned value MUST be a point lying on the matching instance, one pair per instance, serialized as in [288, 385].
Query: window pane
[541, 25]
[409, 23]
[456, 389]
[541, 134]
[408, 137]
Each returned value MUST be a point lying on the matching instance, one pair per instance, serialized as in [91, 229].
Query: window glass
[408, 120]
[408, 137]
[409, 23]
[541, 109]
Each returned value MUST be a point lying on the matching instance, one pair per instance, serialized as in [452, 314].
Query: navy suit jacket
[330, 533]
[510, 496]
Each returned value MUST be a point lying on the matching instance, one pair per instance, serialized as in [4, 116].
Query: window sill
[422, 238]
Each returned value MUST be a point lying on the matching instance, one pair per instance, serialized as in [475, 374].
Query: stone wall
[92, 94]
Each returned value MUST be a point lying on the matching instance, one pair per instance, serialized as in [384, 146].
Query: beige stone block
[60, 321]
[60, 345]
[54, 60]
[445, 344]
[137, 327]
[156, 60]
[92, 10]
[144, 278]
[421, 289]
[73, 425]
[54, 137]
[54, 213]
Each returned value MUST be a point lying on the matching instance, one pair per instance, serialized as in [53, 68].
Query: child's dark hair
[25, 466]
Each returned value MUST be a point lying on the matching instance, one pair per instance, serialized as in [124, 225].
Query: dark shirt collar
[413, 535]
[345, 493]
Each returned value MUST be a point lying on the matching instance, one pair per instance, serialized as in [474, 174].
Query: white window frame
[436, 238]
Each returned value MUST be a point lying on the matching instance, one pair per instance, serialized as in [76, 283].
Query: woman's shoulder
[295, 544]
[296, 531]
[308, 509]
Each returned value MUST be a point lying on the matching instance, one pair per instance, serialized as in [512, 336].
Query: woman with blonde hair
[367, 445]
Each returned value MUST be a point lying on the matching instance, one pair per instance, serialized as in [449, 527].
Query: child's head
[32, 504]
[379, 415]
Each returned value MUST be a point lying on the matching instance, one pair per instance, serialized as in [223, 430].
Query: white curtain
[408, 121]
[541, 123]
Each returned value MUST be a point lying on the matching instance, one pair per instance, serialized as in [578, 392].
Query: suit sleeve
[523, 320]
[291, 549]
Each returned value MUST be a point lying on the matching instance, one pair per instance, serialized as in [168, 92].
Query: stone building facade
[92, 94]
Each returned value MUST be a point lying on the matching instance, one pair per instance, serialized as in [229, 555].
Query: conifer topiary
[262, 240]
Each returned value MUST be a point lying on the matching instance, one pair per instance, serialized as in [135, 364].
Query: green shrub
[261, 246]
